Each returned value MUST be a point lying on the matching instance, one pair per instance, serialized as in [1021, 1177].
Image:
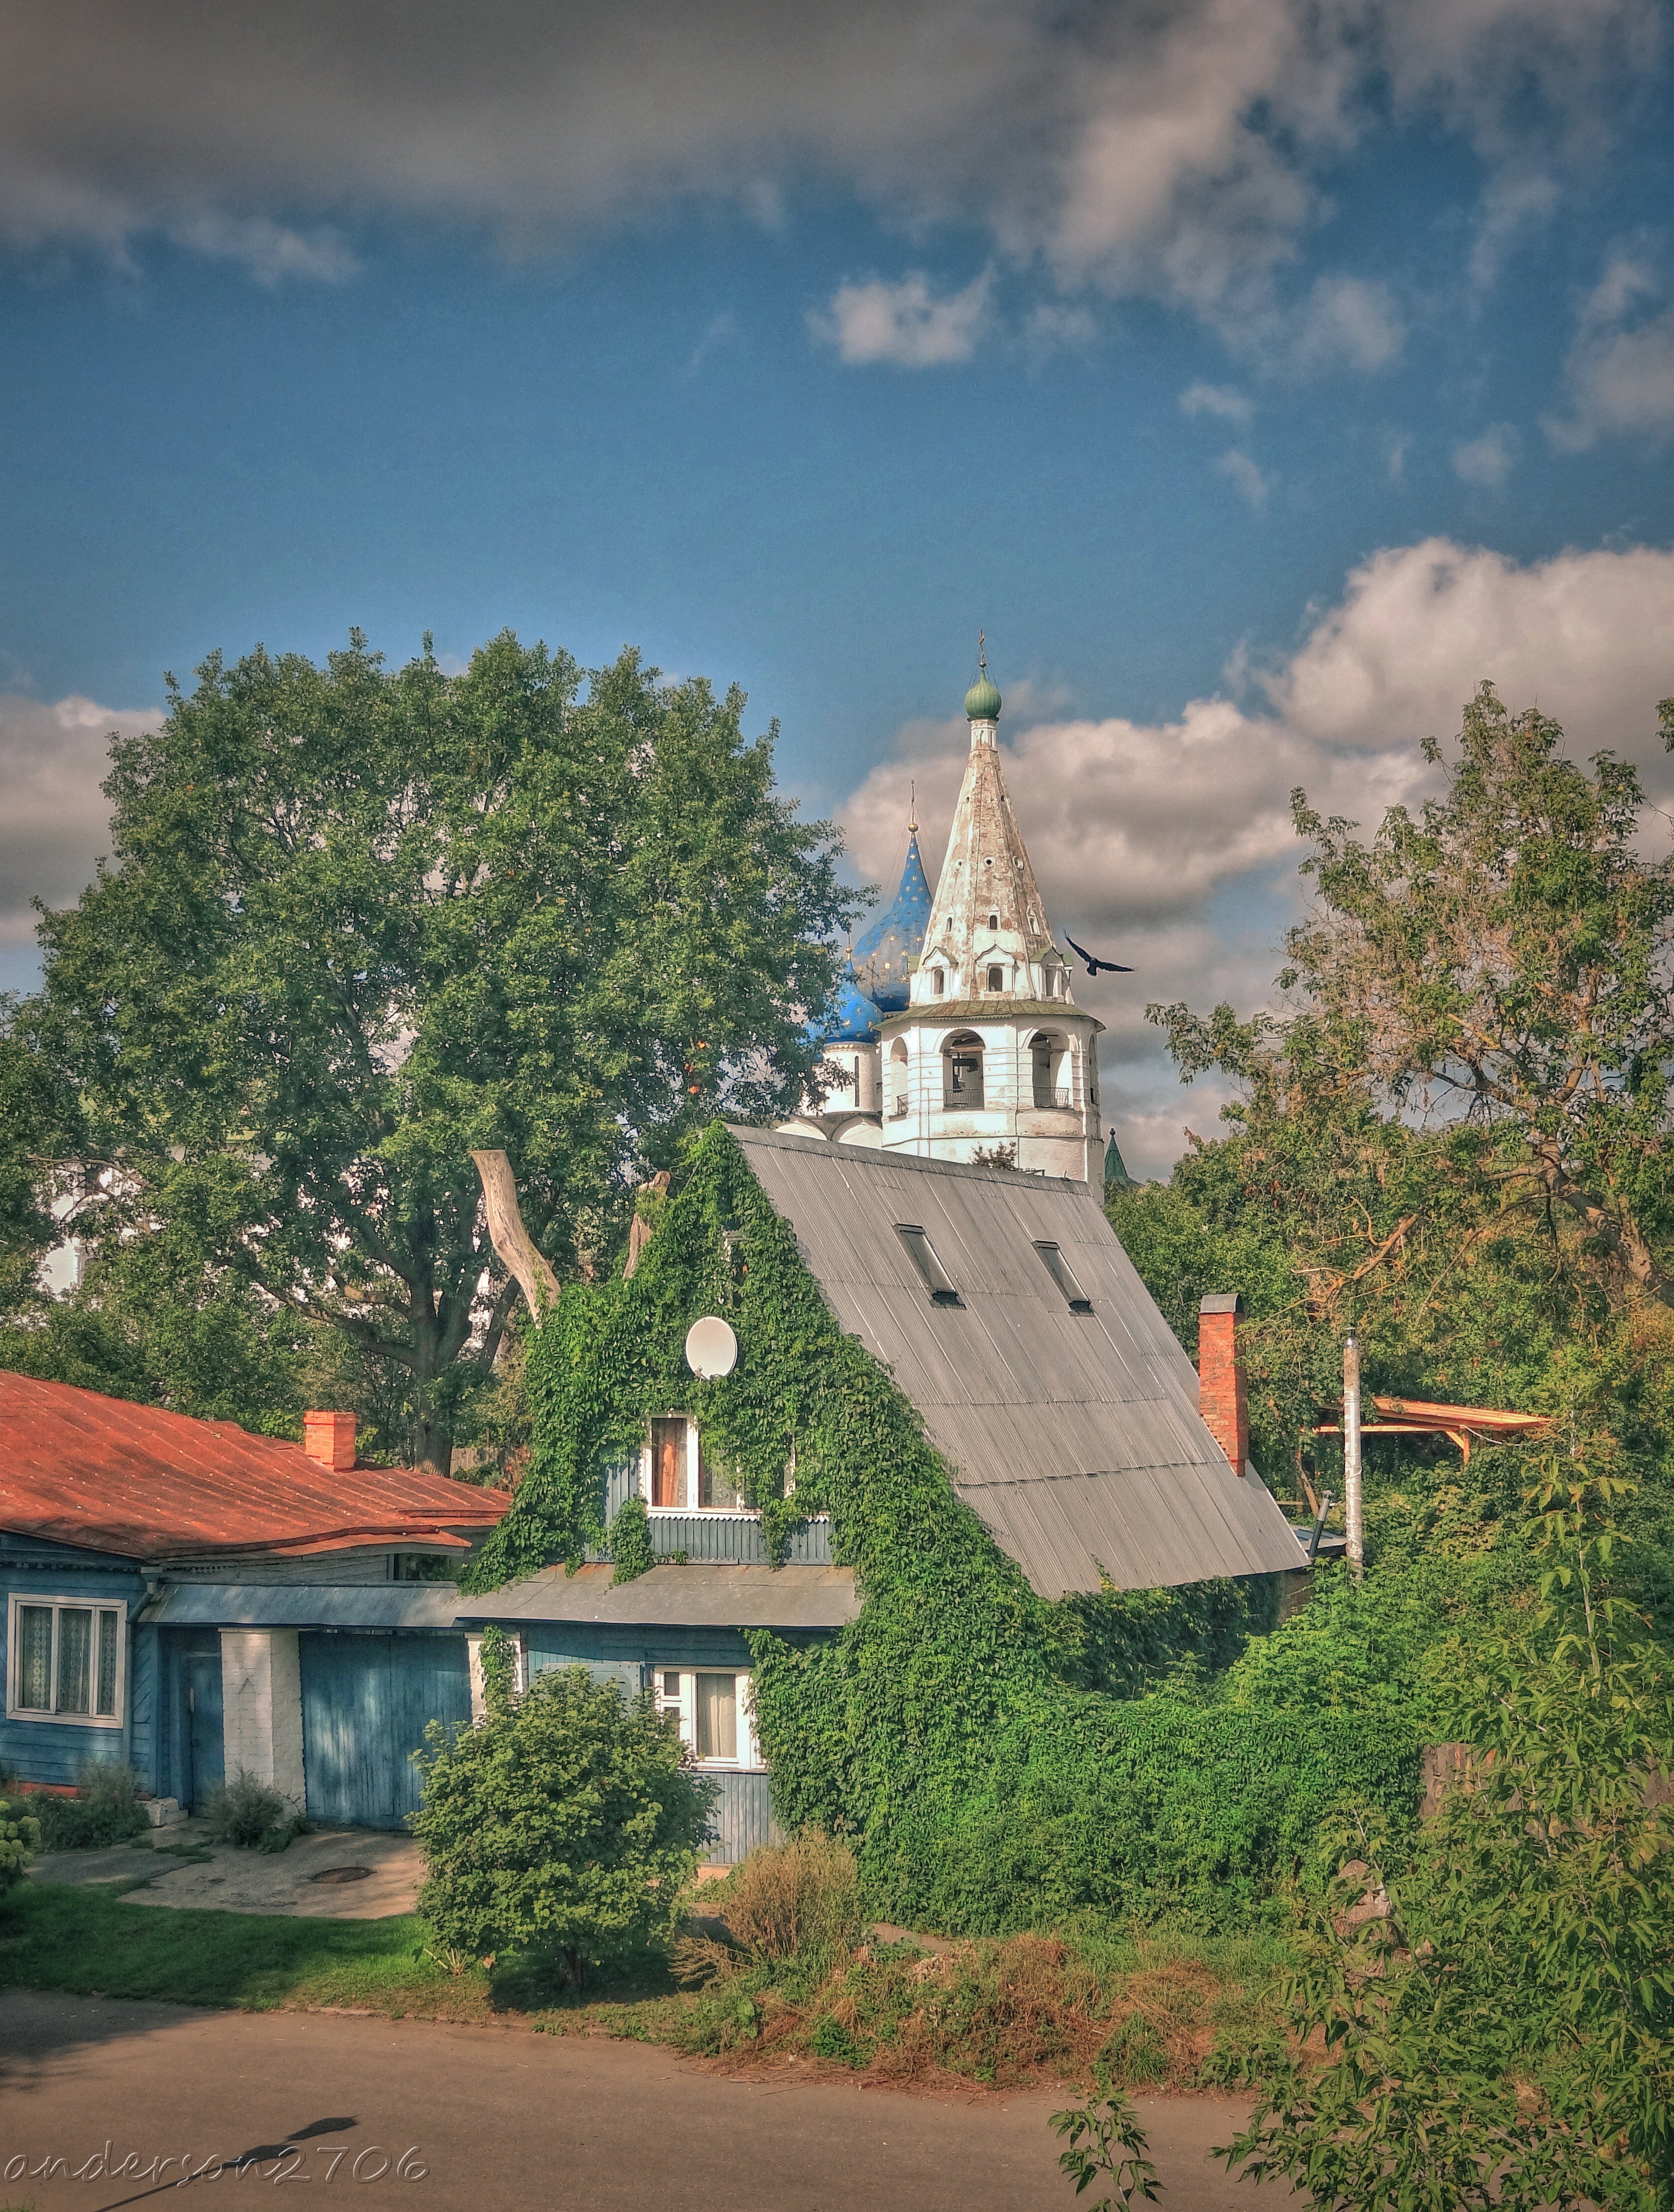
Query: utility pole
[1351, 1454]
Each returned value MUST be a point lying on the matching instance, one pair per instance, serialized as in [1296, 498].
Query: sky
[1261, 375]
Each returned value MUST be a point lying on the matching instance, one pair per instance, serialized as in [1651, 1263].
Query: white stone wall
[261, 1702]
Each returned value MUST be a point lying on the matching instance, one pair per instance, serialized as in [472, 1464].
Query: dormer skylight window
[996, 979]
[931, 1273]
[1059, 1269]
[938, 981]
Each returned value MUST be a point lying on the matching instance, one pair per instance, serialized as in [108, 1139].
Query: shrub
[1494, 1996]
[800, 1900]
[20, 1838]
[247, 1812]
[106, 1809]
[566, 1821]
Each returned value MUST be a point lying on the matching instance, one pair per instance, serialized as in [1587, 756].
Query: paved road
[502, 2120]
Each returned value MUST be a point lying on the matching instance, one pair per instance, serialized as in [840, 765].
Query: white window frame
[81, 1603]
[742, 1511]
[685, 1707]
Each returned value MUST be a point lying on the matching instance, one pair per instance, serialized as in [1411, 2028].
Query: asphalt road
[384, 2113]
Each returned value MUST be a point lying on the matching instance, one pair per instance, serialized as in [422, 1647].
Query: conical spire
[879, 960]
[987, 916]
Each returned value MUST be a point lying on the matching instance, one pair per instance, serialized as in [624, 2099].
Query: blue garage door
[367, 1701]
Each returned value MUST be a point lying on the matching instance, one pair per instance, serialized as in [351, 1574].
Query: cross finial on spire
[912, 810]
[982, 651]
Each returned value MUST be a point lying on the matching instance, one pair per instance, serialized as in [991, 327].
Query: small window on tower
[996, 979]
[938, 981]
[993, 922]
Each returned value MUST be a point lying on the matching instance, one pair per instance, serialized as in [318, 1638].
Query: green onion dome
[981, 701]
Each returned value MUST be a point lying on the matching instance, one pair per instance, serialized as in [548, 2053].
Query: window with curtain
[712, 1708]
[668, 1462]
[66, 1660]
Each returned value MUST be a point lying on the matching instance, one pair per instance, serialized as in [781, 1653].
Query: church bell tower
[991, 1056]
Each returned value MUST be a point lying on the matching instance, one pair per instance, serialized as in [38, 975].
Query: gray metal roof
[1074, 1438]
[693, 1596]
[305, 1605]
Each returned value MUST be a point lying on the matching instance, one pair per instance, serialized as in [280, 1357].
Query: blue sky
[1259, 381]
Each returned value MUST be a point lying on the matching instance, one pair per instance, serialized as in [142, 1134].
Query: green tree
[566, 1821]
[38, 1132]
[1497, 967]
[1497, 1998]
[362, 921]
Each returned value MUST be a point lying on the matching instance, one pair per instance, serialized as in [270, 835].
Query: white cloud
[1181, 152]
[56, 821]
[905, 324]
[1231, 406]
[1240, 470]
[1489, 459]
[1346, 322]
[1169, 844]
[1620, 372]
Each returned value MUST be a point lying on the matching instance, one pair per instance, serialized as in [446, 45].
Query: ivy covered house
[957, 1432]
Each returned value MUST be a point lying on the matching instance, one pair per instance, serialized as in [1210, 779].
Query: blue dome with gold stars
[879, 960]
[853, 1019]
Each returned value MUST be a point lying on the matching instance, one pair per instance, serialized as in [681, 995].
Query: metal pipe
[1318, 1525]
[1351, 1454]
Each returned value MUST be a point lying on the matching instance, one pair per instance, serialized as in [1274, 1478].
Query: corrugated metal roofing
[691, 1596]
[305, 1605]
[77, 1468]
[1074, 1438]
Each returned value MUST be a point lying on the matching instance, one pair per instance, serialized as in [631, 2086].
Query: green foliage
[945, 1732]
[106, 1809]
[499, 1665]
[1106, 2137]
[566, 1822]
[20, 1840]
[1496, 1993]
[363, 920]
[247, 1812]
[38, 1130]
[629, 1540]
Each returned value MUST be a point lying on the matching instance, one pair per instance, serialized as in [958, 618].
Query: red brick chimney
[1220, 1394]
[330, 1438]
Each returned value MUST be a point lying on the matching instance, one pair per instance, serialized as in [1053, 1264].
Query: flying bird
[1110, 967]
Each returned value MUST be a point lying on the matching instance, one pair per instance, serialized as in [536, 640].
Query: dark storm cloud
[1170, 148]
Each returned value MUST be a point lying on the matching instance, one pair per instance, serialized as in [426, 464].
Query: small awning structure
[1461, 1424]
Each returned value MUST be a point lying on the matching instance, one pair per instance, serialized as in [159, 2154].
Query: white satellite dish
[711, 1348]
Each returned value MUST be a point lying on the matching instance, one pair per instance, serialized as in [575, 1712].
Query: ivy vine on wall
[963, 1732]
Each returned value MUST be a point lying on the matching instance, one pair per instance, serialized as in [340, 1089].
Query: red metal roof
[79, 1468]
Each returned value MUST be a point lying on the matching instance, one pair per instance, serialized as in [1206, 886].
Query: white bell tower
[991, 1051]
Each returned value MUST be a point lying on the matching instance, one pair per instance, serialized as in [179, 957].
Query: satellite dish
[711, 1348]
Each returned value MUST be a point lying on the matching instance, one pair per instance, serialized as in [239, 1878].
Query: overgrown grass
[1156, 2011]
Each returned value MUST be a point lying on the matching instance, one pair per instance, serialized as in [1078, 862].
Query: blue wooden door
[206, 1757]
[367, 1700]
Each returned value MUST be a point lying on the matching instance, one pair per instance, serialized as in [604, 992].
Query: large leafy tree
[1499, 964]
[360, 921]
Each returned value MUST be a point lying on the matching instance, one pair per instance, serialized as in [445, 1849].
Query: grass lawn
[91, 1941]
[1151, 2011]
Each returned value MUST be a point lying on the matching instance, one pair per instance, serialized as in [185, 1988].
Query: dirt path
[502, 2121]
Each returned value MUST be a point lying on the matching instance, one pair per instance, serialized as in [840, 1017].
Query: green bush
[247, 1812]
[565, 1822]
[1494, 1993]
[20, 1840]
[799, 1900]
[107, 1808]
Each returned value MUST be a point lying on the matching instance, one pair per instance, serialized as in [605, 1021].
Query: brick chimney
[1220, 1392]
[330, 1438]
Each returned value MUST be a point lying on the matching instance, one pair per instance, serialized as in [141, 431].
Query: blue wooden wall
[56, 1750]
[367, 1701]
